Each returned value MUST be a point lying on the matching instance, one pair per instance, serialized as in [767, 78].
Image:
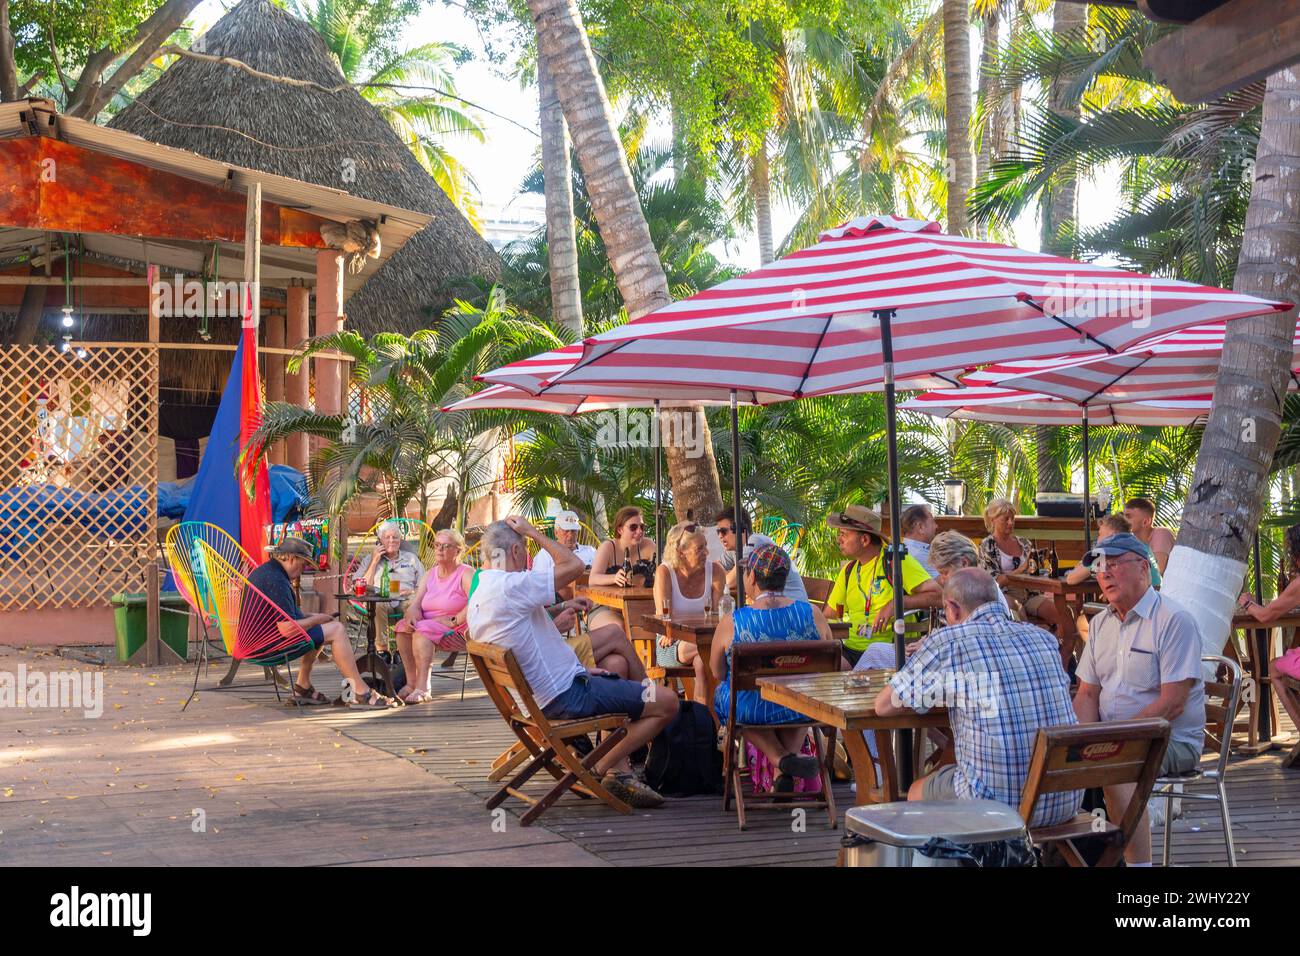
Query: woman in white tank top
[686, 583]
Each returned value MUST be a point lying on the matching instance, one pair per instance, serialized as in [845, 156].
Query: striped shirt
[1001, 681]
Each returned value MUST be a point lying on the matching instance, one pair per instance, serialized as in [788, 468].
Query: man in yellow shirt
[862, 589]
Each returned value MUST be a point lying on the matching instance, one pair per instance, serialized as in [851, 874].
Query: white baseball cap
[567, 521]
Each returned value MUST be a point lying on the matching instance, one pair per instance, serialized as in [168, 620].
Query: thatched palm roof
[332, 139]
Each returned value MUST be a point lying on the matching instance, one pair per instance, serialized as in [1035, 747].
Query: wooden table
[851, 710]
[1259, 652]
[1068, 598]
[694, 629]
[632, 603]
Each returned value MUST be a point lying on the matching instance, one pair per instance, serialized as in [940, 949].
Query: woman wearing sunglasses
[631, 544]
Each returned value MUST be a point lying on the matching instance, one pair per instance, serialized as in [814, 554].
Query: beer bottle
[1056, 561]
[627, 566]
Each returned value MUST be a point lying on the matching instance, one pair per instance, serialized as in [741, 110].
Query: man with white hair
[1000, 680]
[508, 607]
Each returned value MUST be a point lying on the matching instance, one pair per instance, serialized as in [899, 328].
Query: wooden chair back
[749, 662]
[1082, 756]
[819, 590]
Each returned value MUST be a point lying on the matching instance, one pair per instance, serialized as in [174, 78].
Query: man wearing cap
[567, 527]
[607, 647]
[863, 590]
[1142, 659]
[275, 579]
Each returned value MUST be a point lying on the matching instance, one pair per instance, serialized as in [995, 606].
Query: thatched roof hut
[333, 139]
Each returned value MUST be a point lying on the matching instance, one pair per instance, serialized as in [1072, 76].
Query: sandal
[418, 697]
[376, 701]
[798, 765]
[783, 785]
[308, 695]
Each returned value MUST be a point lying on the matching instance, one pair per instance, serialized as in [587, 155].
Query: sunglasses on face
[724, 529]
[633, 526]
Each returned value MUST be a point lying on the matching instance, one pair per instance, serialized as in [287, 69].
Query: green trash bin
[131, 617]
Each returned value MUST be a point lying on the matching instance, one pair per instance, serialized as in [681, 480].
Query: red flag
[255, 502]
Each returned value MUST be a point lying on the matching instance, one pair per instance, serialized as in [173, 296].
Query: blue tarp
[288, 495]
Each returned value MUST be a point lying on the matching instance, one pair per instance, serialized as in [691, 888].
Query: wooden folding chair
[1081, 756]
[549, 742]
[749, 662]
[819, 590]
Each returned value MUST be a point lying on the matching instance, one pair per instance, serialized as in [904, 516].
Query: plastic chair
[180, 548]
[1219, 720]
[251, 617]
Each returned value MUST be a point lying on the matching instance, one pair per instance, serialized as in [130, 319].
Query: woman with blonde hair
[687, 583]
[1004, 552]
[436, 615]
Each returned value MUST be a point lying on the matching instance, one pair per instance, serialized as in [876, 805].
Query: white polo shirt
[1158, 643]
[509, 608]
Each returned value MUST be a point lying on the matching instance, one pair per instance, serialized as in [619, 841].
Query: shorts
[580, 644]
[317, 635]
[590, 695]
[941, 785]
[1180, 757]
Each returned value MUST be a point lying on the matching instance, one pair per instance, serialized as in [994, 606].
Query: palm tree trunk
[1059, 199]
[1050, 476]
[760, 187]
[557, 176]
[562, 40]
[1229, 486]
[957, 79]
[990, 99]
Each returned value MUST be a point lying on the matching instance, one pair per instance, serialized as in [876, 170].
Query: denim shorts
[590, 695]
[317, 636]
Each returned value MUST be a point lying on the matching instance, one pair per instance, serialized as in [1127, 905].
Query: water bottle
[726, 604]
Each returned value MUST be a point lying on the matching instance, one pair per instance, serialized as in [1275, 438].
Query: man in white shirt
[749, 541]
[508, 607]
[567, 527]
[1142, 659]
[919, 529]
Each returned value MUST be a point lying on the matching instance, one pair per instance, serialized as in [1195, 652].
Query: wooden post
[297, 330]
[275, 335]
[329, 384]
[153, 610]
[253, 252]
[155, 303]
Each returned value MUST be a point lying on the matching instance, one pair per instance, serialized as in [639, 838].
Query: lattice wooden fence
[78, 474]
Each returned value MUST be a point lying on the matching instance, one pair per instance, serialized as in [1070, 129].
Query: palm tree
[557, 174]
[562, 41]
[362, 35]
[957, 79]
[1230, 484]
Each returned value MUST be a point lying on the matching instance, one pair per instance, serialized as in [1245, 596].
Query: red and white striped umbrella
[809, 323]
[1013, 407]
[1165, 366]
[507, 396]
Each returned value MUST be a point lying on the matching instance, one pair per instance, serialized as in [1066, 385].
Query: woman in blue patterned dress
[768, 617]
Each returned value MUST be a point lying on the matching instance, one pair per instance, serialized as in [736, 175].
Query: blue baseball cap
[1115, 545]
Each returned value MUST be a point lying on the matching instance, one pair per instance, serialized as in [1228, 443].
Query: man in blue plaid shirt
[1001, 680]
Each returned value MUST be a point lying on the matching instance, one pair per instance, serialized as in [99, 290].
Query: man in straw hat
[863, 589]
[275, 579]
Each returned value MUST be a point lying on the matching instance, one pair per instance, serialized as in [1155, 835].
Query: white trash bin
[891, 834]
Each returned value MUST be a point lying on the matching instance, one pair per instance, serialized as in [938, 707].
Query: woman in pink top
[436, 612]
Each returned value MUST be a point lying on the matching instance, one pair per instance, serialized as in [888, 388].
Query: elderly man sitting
[508, 607]
[275, 579]
[1142, 659]
[1001, 680]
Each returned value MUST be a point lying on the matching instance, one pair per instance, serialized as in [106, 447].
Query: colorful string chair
[251, 617]
[180, 548]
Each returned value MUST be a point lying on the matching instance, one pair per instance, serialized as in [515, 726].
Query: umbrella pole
[659, 480]
[735, 498]
[904, 754]
[1087, 489]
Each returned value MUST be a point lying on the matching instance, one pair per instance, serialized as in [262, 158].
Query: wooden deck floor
[457, 740]
[338, 787]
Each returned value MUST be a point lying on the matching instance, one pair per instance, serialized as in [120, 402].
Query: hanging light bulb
[66, 345]
[81, 353]
[67, 316]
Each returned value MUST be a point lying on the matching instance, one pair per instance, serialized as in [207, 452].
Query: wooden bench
[1082, 756]
[749, 662]
[549, 742]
